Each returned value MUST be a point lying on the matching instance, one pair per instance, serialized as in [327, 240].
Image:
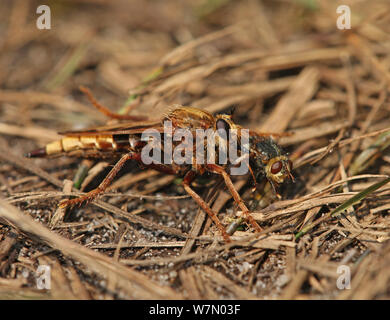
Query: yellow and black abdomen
[87, 145]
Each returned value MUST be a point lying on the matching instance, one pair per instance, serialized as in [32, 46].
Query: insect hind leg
[107, 111]
[88, 197]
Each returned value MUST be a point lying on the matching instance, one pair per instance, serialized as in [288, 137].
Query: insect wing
[119, 128]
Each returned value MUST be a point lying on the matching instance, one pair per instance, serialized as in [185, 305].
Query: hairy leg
[186, 184]
[103, 185]
[236, 196]
[268, 134]
[107, 111]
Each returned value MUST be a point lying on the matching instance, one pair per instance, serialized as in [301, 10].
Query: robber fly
[123, 141]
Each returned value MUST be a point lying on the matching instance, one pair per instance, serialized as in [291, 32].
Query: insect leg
[236, 196]
[104, 184]
[269, 134]
[107, 111]
[190, 175]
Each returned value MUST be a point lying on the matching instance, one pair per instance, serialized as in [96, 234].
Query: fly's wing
[181, 117]
[119, 136]
[118, 128]
[190, 118]
[97, 142]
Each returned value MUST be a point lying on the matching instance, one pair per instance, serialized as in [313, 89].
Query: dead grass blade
[301, 90]
[133, 283]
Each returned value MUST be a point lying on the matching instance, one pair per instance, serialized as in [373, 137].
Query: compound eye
[222, 125]
[276, 167]
[222, 128]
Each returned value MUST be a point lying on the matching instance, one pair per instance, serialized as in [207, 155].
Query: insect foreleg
[236, 196]
[270, 134]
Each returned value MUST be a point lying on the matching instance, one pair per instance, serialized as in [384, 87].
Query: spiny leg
[236, 196]
[107, 111]
[186, 184]
[103, 185]
[268, 134]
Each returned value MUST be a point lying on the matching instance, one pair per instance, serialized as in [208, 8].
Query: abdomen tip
[41, 152]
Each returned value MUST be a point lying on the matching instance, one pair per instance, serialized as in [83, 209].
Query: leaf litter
[283, 70]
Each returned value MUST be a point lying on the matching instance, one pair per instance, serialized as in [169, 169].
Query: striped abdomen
[98, 143]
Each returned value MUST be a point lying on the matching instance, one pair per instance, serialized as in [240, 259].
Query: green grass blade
[355, 199]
